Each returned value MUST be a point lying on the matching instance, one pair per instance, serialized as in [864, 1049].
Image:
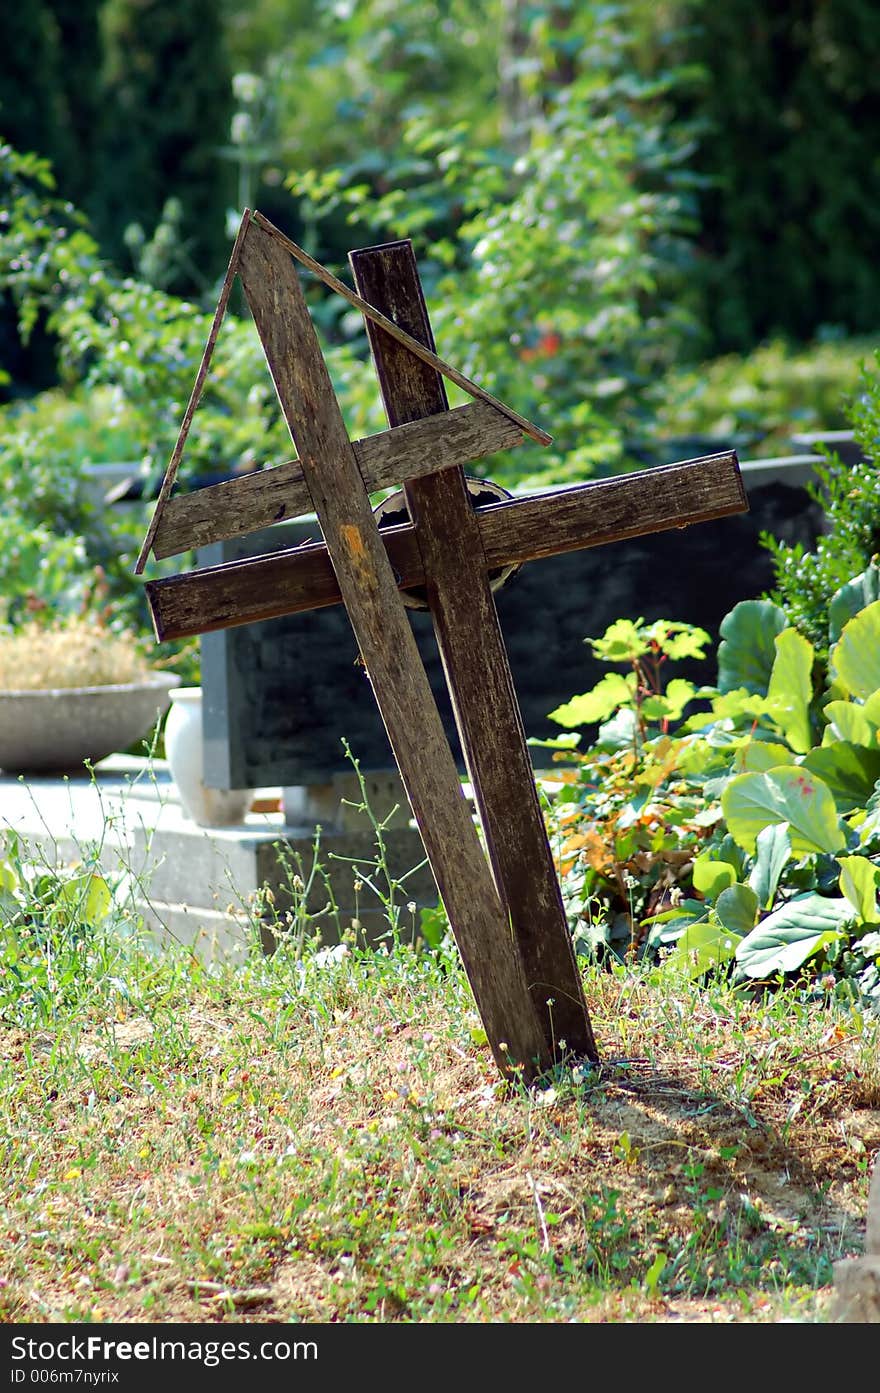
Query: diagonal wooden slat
[237, 506]
[195, 395]
[525, 529]
[400, 684]
[475, 663]
[527, 427]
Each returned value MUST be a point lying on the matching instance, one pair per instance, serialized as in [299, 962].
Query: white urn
[208, 807]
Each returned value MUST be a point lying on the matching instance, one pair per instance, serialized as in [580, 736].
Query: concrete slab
[208, 887]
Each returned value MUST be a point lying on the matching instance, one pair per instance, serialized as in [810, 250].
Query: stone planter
[208, 807]
[54, 731]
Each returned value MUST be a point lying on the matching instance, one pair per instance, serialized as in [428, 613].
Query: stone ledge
[198, 885]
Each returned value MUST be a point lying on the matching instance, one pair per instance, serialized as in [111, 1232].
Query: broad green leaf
[790, 689]
[611, 691]
[757, 755]
[866, 824]
[856, 658]
[848, 721]
[685, 912]
[751, 802]
[856, 595]
[621, 642]
[850, 771]
[700, 948]
[727, 850]
[557, 742]
[773, 850]
[8, 877]
[89, 897]
[737, 908]
[787, 938]
[858, 881]
[746, 653]
[710, 877]
[620, 732]
[739, 703]
[668, 705]
[698, 757]
[434, 925]
[653, 1275]
[678, 640]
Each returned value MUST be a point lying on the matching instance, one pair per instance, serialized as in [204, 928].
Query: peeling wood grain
[475, 664]
[220, 511]
[391, 657]
[525, 529]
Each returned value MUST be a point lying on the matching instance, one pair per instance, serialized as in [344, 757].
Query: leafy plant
[626, 820]
[40, 569]
[768, 820]
[761, 398]
[807, 582]
[552, 258]
[128, 356]
[53, 935]
[791, 94]
[640, 697]
[167, 103]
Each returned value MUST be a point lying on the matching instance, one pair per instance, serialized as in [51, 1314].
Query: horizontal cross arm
[525, 529]
[220, 511]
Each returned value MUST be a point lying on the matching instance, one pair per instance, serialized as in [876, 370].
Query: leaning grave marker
[506, 912]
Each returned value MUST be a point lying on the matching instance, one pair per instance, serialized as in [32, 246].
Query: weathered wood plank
[426, 354]
[475, 663]
[525, 529]
[389, 651]
[195, 395]
[237, 506]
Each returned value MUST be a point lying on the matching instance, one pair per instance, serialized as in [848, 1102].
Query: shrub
[790, 181]
[129, 356]
[167, 105]
[746, 837]
[762, 398]
[807, 581]
[554, 259]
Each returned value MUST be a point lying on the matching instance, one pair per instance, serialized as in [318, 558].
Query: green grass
[322, 1138]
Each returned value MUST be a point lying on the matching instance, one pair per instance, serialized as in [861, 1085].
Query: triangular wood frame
[372, 315]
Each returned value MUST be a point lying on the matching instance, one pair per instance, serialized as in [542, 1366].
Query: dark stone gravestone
[281, 696]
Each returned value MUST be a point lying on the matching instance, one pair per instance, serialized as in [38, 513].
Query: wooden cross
[506, 911]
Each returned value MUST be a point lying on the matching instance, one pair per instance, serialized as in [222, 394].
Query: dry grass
[324, 1142]
[76, 652]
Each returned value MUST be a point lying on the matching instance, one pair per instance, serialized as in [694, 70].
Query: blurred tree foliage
[789, 123]
[167, 103]
[712, 166]
[785, 117]
[550, 223]
[49, 84]
[48, 102]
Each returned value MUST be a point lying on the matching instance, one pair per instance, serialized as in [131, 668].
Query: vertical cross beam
[475, 661]
[369, 591]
